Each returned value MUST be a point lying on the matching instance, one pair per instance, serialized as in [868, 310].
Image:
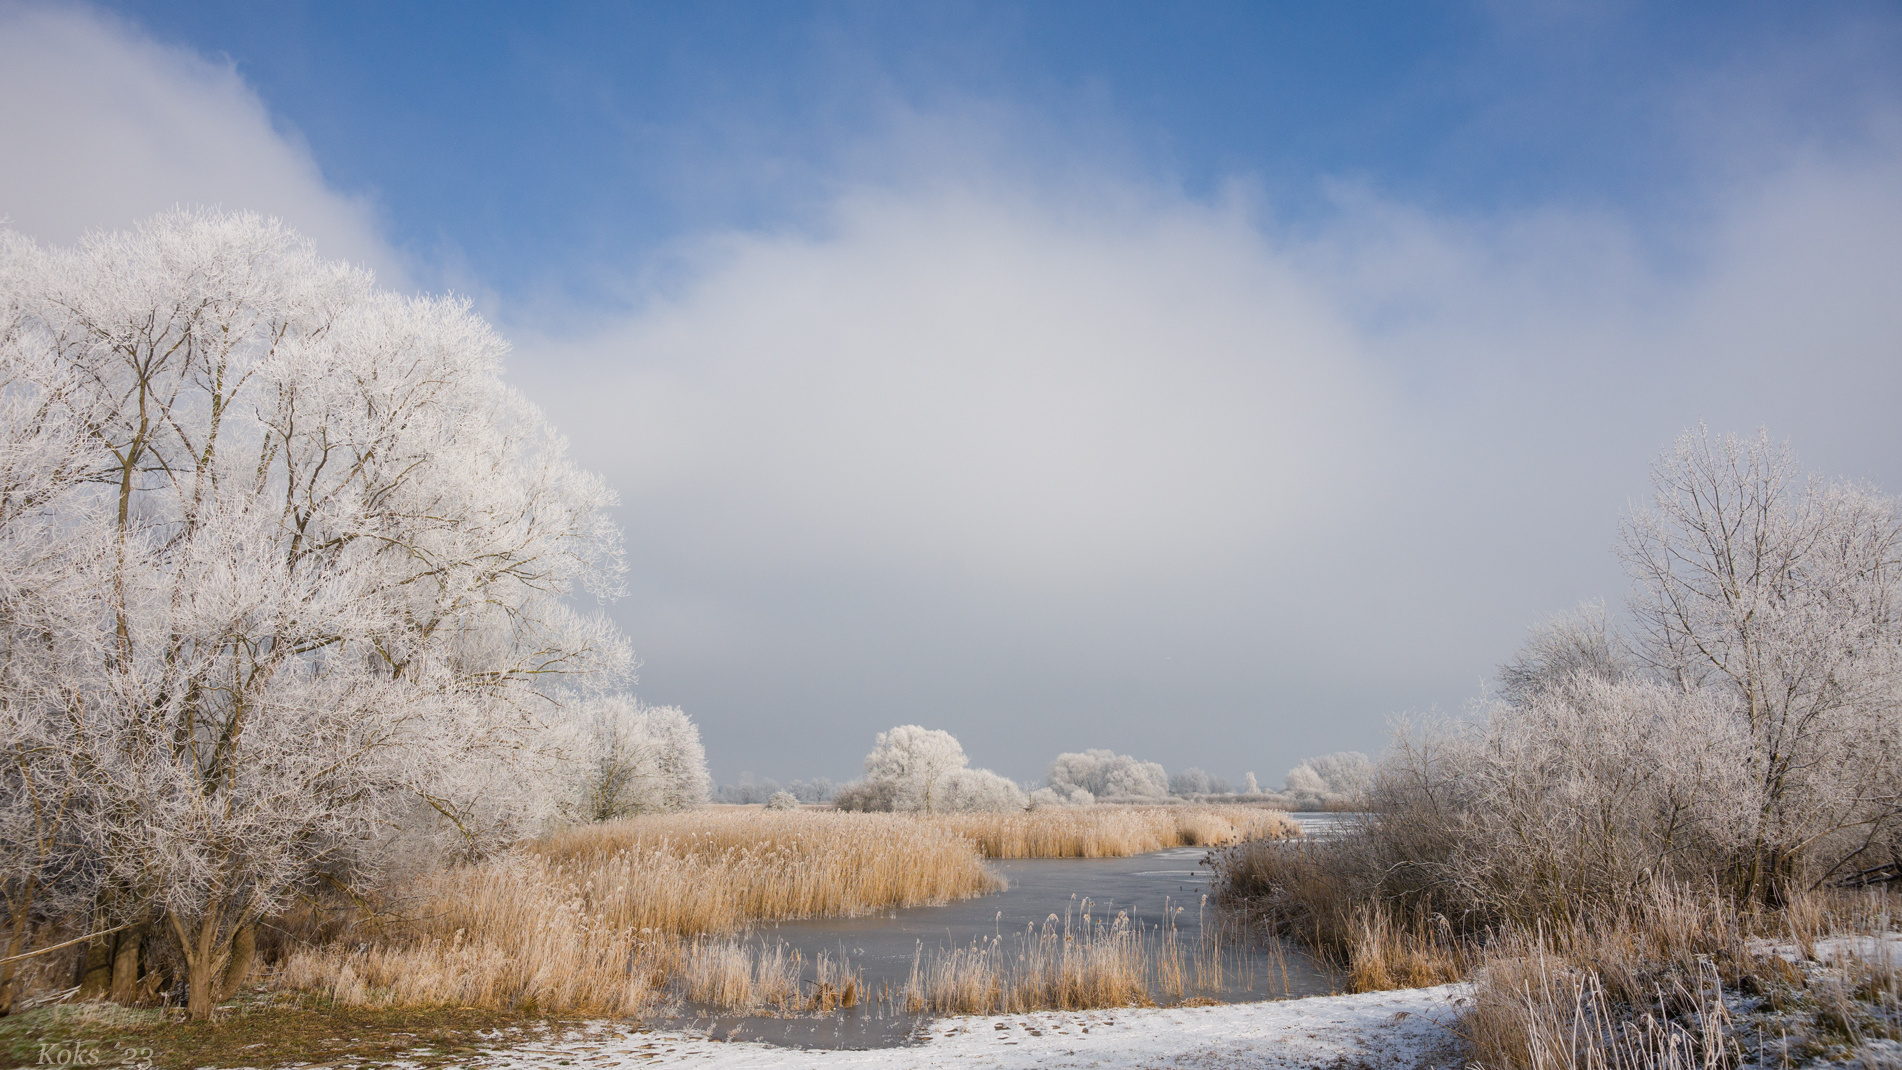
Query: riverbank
[1404, 1029]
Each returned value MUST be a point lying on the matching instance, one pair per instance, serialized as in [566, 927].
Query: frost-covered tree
[1105, 773]
[1568, 651]
[817, 790]
[915, 761]
[45, 870]
[314, 561]
[917, 768]
[1196, 781]
[1783, 594]
[1331, 779]
[636, 759]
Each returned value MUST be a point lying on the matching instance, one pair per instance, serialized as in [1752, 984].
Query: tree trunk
[125, 966]
[244, 946]
[206, 952]
[95, 967]
[16, 944]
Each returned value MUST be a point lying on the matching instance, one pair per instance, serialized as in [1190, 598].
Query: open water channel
[1150, 893]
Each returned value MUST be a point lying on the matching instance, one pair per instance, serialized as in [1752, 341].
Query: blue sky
[543, 147]
[1207, 381]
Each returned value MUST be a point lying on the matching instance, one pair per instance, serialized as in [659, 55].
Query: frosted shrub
[981, 791]
[634, 759]
[916, 768]
[783, 800]
[1573, 800]
[757, 790]
[1048, 798]
[915, 761]
[876, 796]
[1105, 773]
[1745, 735]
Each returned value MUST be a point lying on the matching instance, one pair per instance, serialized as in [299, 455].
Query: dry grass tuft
[1115, 831]
[1388, 952]
[1645, 985]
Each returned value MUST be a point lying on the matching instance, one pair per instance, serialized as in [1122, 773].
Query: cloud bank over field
[1057, 459]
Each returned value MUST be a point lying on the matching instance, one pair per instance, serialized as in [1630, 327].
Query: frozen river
[1153, 891]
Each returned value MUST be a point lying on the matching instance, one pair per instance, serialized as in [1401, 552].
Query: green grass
[261, 1031]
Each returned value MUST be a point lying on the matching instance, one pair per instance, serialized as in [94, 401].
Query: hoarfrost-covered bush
[1747, 733]
[1574, 799]
[917, 768]
[635, 759]
[980, 790]
[1106, 774]
[782, 800]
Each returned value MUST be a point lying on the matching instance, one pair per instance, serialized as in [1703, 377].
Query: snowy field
[1403, 1029]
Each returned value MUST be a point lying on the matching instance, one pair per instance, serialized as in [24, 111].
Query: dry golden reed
[514, 933]
[1115, 831]
[717, 871]
[594, 918]
[605, 918]
[1388, 953]
[1072, 963]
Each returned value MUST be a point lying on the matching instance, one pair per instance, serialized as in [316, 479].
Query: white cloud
[104, 127]
[969, 375]
[1065, 469]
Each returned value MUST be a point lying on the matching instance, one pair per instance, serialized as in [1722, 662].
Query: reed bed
[1076, 962]
[514, 933]
[613, 918]
[1115, 831]
[755, 976]
[712, 872]
[601, 918]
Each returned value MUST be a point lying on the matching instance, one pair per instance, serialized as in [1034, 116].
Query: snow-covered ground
[1403, 1029]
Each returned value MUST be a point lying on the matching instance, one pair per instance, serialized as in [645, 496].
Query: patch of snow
[1884, 947]
[1403, 1029]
